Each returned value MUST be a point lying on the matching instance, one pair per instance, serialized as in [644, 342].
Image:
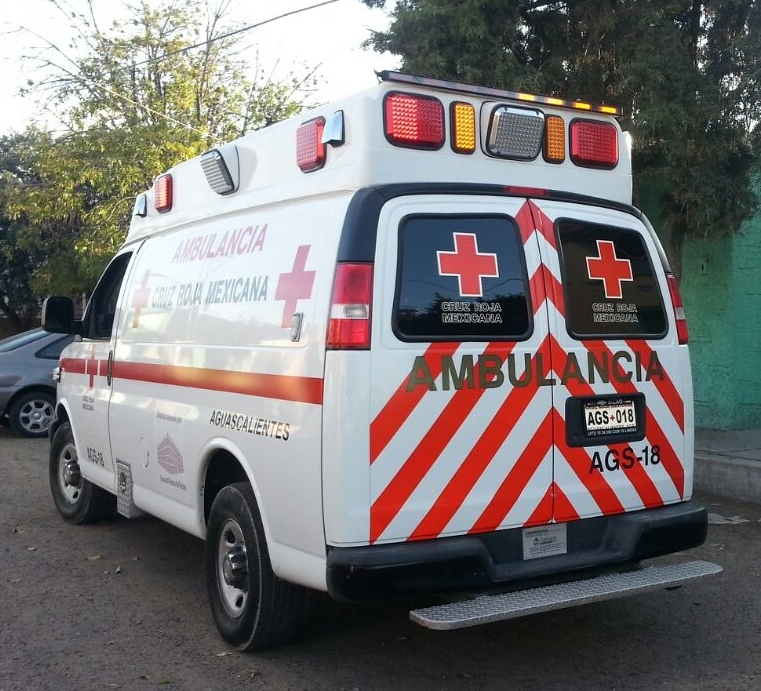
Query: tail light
[349, 323]
[676, 301]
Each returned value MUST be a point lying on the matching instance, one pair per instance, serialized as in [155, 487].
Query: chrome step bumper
[489, 608]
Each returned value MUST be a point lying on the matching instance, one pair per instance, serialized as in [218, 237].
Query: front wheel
[77, 499]
[251, 606]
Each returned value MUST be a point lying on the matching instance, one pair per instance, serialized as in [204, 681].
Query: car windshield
[13, 342]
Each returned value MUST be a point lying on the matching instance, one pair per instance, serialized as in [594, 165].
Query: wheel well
[223, 469]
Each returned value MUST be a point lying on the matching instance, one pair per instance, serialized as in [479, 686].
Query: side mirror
[58, 315]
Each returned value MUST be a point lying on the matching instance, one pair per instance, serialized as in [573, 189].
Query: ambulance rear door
[621, 379]
[460, 435]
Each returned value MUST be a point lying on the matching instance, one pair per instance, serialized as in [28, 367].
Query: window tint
[460, 278]
[610, 287]
[101, 310]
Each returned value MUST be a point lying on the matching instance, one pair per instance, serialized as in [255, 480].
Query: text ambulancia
[415, 341]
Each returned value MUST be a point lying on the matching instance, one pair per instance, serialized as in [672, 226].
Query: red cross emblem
[140, 298]
[609, 269]
[295, 285]
[468, 264]
[92, 368]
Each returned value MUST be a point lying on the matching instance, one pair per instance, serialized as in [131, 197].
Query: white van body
[510, 399]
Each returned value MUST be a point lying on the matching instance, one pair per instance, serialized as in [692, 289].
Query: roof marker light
[515, 132]
[594, 144]
[310, 149]
[162, 193]
[413, 121]
[222, 168]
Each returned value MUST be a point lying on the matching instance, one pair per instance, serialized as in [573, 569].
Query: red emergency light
[413, 121]
[310, 149]
[594, 144]
[162, 193]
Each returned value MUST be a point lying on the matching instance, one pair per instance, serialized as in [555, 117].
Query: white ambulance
[416, 341]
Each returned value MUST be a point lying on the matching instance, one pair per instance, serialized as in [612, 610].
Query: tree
[20, 261]
[134, 100]
[685, 72]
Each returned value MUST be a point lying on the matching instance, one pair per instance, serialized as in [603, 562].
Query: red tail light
[349, 324]
[676, 301]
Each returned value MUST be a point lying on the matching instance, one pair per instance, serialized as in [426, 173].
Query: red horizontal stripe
[281, 387]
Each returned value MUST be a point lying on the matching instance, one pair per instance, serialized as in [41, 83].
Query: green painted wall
[721, 290]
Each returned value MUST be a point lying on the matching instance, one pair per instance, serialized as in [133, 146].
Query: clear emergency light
[162, 193]
[515, 132]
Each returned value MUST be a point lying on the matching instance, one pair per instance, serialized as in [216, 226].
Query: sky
[329, 35]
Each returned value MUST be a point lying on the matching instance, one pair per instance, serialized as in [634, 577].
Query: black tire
[252, 608]
[77, 499]
[32, 414]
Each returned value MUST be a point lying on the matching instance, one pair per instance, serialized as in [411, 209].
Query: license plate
[609, 417]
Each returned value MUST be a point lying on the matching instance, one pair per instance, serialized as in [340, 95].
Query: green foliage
[685, 72]
[133, 100]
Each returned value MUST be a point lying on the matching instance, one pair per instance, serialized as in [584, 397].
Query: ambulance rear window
[460, 278]
[611, 290]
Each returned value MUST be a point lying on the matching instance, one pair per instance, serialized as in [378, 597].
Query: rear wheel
[77, 499]
[251, 606]
[32, 413]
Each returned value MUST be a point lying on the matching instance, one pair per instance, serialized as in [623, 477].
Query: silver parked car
[27, 388]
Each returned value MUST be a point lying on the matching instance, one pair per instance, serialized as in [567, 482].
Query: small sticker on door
[544, 541]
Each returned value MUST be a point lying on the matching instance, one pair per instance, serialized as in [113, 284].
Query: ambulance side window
[461, 278]
[98, 321]
[611, 289]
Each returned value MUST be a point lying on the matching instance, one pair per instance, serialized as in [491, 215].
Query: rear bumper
[495, 559]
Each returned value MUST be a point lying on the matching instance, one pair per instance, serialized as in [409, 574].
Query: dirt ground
[122, 605]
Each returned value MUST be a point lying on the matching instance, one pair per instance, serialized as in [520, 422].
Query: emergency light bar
[473, 90]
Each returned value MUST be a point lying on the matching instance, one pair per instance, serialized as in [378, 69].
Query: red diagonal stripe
[544, 511]
[654, 432]
[517, 479]
[665, 386]
[474, 464]
[563, 509]
[580, 463]
[637, 475]
[525, 222]
[398, 491]
[544, 225]
[400, 406]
